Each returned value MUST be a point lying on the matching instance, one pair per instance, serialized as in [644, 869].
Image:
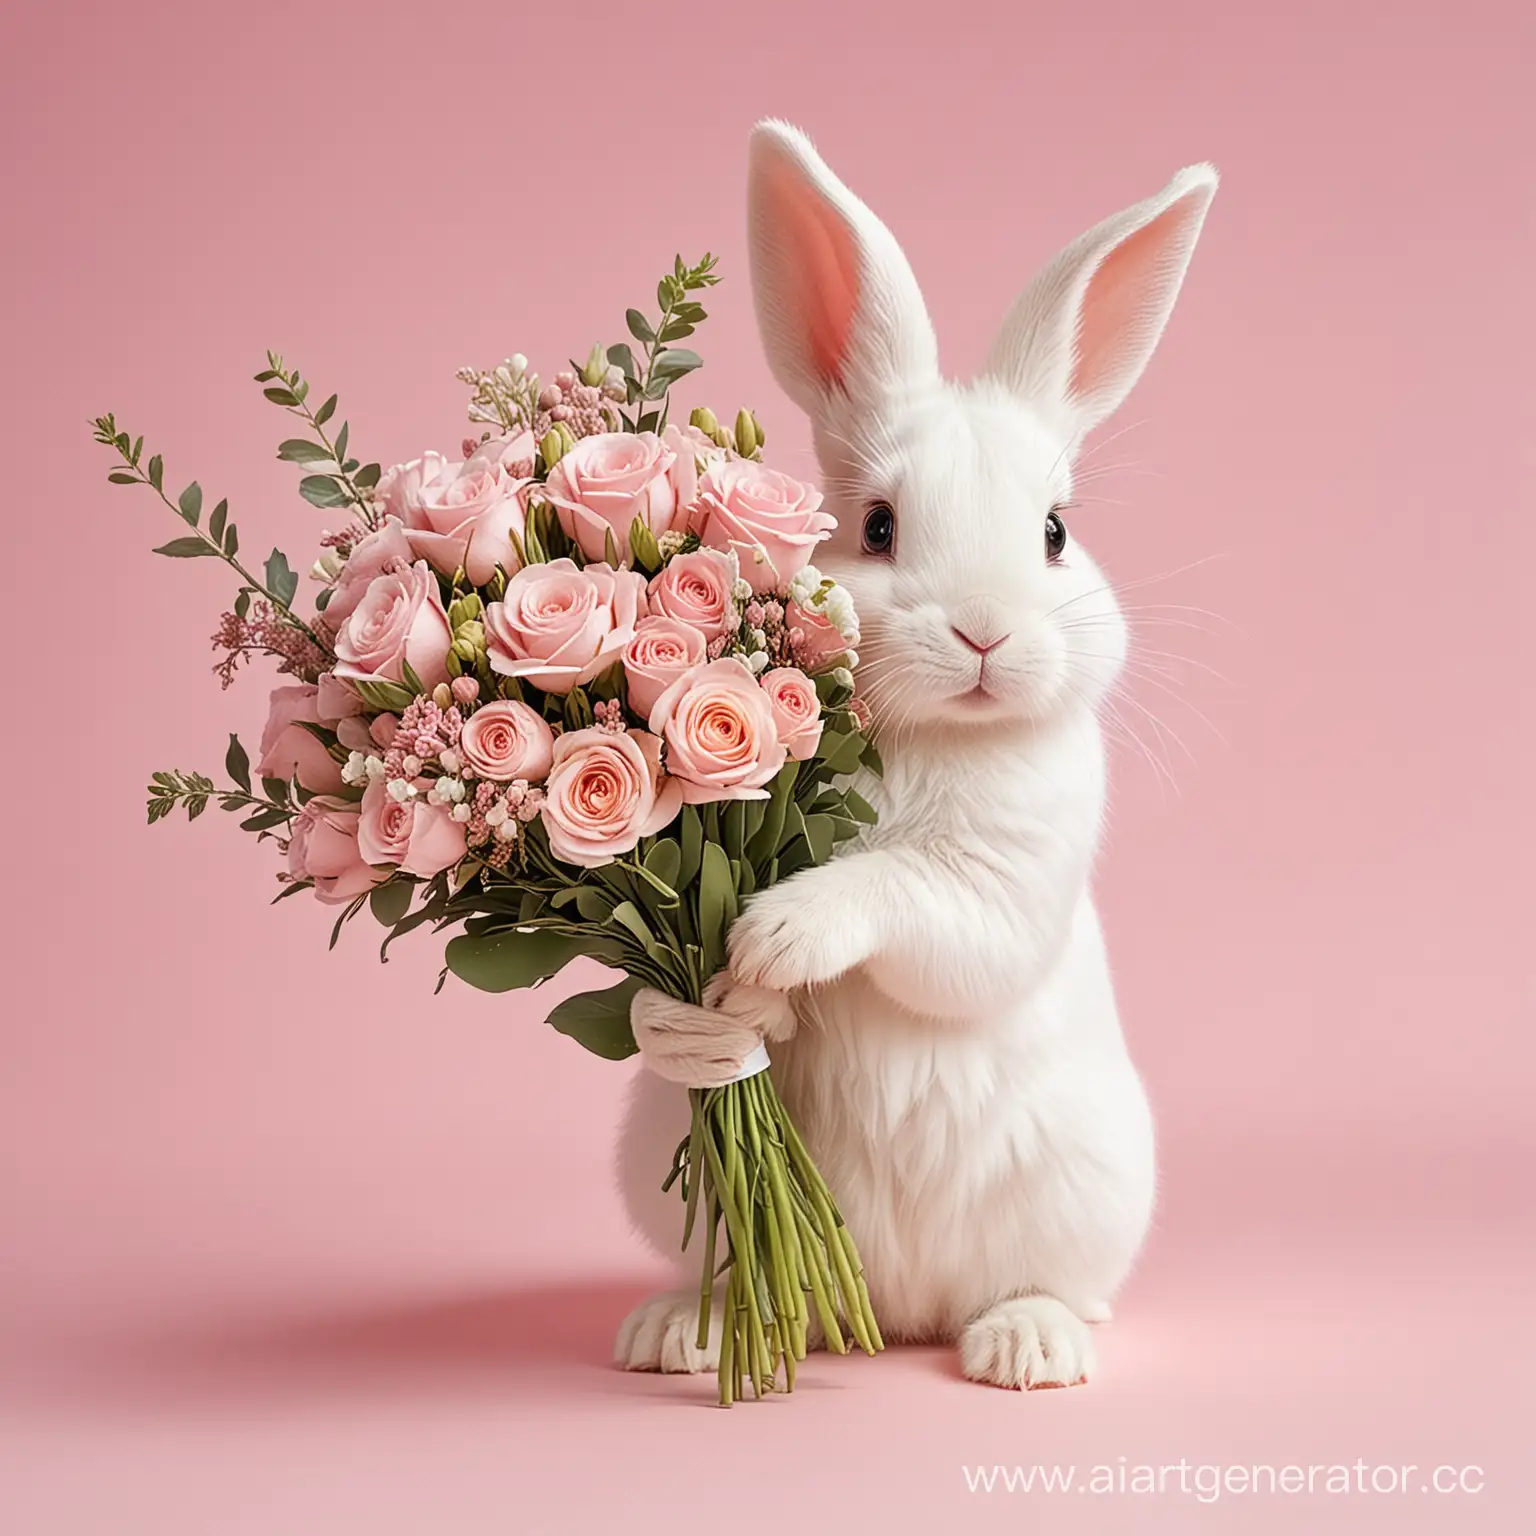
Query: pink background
[287, 1244]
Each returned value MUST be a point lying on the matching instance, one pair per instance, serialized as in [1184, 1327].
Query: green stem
[230, 560]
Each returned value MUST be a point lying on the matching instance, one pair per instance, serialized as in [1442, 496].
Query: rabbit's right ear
[837, 305]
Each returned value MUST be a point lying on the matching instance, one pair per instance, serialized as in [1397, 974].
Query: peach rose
[324, 848]
[506, 740]
[661, 651]
[422, 839]
[559, 626]
[288, 751]
[722, 739]
[696, 590]
[820, 642]
[796, 710]
[611, 478]
[385, 549]
[400, 619]
[465, 514]
[773, 522]
[605, 792]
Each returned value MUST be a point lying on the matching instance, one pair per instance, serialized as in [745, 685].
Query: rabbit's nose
[976, 642]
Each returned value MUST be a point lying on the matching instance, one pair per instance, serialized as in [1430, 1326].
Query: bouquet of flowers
[581, 692]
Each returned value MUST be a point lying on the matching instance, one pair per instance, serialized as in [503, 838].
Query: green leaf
[186, 549]
[509, 958]
[325, 412]
[841, 753]
[190, 503]
[237, 765]
[275, 790]
[664, 863]
[623, 359]
[859, 808]
[341, 446]
[281, 580]
[217, 521]
[610, 548]
[122, 477]
[691, 834]
[379, 693]
[639, 327]
[672, 364]
[391, 901]
[628, 916]
[367, 477]
[600, 1020]
[590, 902]
[280, 394]
[765, 841]
[231, 541]
[156, 472]
[717, 904]
[298, 450]
[323, 491]
[819, 834]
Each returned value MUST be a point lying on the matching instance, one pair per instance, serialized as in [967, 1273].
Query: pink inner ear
[1122, 298]
[822, 277]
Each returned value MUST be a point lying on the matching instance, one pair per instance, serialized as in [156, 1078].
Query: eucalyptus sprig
[218, 537]
[348, 481]
[663, 364]
[277, 804]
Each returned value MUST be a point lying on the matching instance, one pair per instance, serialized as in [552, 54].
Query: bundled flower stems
[577, 692]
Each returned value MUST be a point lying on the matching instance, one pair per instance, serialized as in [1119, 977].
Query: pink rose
[796, 710]
[609, 479]
[605, 792]
[661, 651]
[289, 751]
[559, 626]
[465, 515]
[506, 740]
[422, 839]
[692, 441]
[513, 452]
[324, 848]
[400, 619]
[820, 642]
[695, 589]
[385, 549]
[400, 486]
[722, 739]
[337, 700]
[770, 520]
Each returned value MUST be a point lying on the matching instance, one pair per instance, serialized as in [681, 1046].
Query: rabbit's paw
[662, 1334]
[1030, 1341]
[798, 934]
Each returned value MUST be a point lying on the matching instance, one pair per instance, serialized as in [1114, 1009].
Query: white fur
[958, 1068]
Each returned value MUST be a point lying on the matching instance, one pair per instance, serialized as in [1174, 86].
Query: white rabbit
[952, 1054]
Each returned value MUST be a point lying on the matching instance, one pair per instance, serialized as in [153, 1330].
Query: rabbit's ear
[1079, 335]
[837, 304]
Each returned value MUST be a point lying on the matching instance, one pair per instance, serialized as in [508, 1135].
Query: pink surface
[289, 1245]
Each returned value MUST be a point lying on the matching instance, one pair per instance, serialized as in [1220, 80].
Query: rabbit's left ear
[1079, 335]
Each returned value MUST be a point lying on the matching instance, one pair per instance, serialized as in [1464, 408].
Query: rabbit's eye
[879, 529]
[1055, 535]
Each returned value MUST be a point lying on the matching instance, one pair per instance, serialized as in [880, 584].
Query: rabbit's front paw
[798, 934]
[662, 1334]
[1030, 1341]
